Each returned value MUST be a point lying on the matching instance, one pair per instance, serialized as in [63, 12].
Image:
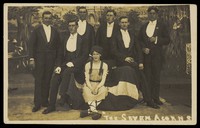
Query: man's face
[72, 26]
[152, 15]
[47, 19]
[82, 13]
[124, 23]
[110, 17]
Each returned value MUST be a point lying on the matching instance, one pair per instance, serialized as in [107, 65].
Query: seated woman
[96, 95]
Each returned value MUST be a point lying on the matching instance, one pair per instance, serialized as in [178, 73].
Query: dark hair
[152, 8]
[72, 18]
[46, 12]
[81, 7]
[111, 10]
[123, 17]
[96, 48]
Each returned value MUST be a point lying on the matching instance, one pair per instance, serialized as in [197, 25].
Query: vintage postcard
[47, 46]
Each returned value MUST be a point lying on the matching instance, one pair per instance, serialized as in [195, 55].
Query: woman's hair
[97, 49]
[100, 51]
[100, 69]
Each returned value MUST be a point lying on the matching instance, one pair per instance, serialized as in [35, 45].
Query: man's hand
[146, 50]
[32, 64]
[129, 59]
[57, 70]
[70, 64]
[141, 66]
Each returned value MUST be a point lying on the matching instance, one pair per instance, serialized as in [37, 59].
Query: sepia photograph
[113, 64]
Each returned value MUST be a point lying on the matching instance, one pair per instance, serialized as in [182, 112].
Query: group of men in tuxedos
[54, 58]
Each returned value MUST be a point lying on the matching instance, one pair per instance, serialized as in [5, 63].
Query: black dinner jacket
[38, 45]
[81, 51]
[120, 52]
[161, 31]
[101, 38]
[89, 35]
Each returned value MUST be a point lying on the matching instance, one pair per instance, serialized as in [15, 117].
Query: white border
[193, 17]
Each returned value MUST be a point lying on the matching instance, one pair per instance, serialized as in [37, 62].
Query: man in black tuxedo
[153, 35]
[84, 28]
[45, 53]
[75, 56]
[128, 53]
[105, 33]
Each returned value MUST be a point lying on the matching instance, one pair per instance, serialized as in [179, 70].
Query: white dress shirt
[109, 29]
[81, 27]
[71, 43]
[151, 28]
[126, 38]
[47, 30]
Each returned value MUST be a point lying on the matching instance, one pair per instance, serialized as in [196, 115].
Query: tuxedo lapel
[115, 28]
[104, 32]
[78, 46]
[65, 42]
[156, 29]
[43, 34]
[52, 34]
[132, 39]
[120, 39]
[145, 28]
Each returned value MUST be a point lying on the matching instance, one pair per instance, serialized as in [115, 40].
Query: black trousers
[152, 69]
[42, 73]
[61, 80]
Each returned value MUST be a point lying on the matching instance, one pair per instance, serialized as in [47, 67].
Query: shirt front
[72, 43]
[81, 27]
[126, 38]
[47, 30]
[151, 29]
[109, 29]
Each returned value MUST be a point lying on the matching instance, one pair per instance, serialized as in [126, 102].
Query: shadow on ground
[177, 104]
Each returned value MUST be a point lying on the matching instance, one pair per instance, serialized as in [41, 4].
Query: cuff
[156, 40]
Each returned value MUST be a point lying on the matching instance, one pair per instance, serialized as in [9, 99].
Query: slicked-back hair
[46, 12]
[123, 17]
[153, 8]
[81, 7]
[113, 11]
[73, 19]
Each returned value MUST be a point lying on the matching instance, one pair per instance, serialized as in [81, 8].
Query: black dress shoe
[96, 115]
[153, 105]
[36, 108]
[84, 113]
[158, 102]
[48, 110]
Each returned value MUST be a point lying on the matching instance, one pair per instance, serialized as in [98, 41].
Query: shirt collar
[124, 31]
[73, 35]
[45, 26]
[153, 22]
[80, 21]
[110, 25]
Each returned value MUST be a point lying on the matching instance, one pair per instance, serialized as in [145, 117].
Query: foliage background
[177, 55]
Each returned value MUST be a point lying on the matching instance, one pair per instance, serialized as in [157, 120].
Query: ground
[176, 92]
